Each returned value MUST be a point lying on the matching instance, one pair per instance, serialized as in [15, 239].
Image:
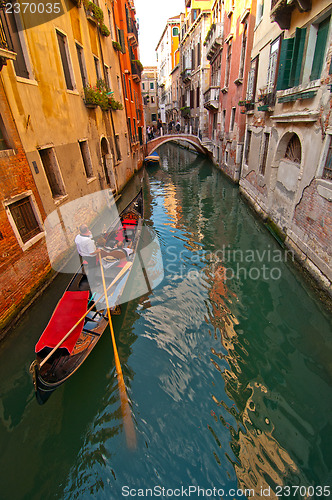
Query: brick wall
[20, 270]
[313, 216]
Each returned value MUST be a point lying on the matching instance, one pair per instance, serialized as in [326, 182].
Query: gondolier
[87, 250]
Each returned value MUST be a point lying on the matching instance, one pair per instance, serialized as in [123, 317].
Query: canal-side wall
[24, 260]
[286, 162]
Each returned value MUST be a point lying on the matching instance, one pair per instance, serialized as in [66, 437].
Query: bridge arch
[153, 144]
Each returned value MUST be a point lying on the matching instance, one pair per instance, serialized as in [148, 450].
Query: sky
[152, 16]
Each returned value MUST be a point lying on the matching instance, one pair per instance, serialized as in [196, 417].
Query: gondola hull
[49, 374]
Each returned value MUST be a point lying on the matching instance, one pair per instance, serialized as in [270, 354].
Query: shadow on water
[227, 364]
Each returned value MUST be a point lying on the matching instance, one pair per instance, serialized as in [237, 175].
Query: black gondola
[78, 298]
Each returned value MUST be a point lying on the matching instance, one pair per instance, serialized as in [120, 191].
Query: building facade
[286, 172]
[131, 68]
[74, 132]
[150, 95]
[194, 66]
[24, 262]
[167, 51]
[229, 44]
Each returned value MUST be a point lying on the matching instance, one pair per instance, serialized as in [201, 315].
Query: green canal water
[228, 365]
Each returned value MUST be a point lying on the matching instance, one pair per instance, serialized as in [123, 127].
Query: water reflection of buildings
[262, 423]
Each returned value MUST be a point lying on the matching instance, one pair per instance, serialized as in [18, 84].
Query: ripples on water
[230, 380]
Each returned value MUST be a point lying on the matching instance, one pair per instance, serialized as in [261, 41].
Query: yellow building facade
[74, 145]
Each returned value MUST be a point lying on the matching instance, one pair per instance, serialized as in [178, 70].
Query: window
[252, 80]
[296, 65]
[231, 127]
[321, 38]
[117, 147]
[223, 123]
[193, 58]
[273, 61]
[97, 68]
[14, 34]
[153, 117]
[66, 65]
[198, 91]
[192, 98]
[140, 136]
[247, 147]
[175, 31]
[228, 63]
[135, 131]
[152, 100]
[110, 23]
[107, 76]
[124, 85]
[122, 42]
[327, 170]
[52, 171]
[260, 10]
[85, 152]
[24, 217]
[143, 86]
[198, 53]
[129, 128]
[266, 139]
[3, 137]
[130, 90]
[82, 66]
[152, 85]
[243, 51]
[293, 150]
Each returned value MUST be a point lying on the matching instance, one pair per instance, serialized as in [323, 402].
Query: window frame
[58, 174]
[82, 64]
[27, 194]
[86, 159]
[60, 33]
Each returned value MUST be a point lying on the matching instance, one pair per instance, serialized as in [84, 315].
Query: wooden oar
[121, 273]
[125, 408]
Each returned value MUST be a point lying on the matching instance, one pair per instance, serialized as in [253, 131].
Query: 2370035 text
[303, 491]
[32, 8]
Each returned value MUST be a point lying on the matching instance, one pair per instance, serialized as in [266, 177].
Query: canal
[227, 364]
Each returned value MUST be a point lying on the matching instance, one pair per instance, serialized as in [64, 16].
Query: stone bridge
[153, 144]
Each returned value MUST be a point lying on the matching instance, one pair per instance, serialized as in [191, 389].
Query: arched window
[175, 31]
[293, 149]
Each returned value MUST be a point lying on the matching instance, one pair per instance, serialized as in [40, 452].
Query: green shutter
[122, 41]
[286, 53]
[297, 57]
[317, 64]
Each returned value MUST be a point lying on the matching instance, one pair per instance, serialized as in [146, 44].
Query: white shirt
[85, 245]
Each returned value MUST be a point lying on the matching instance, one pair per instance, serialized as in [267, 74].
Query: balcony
[281, 11]
[186, 75]
[214, 40]
[211, 98]
[136, 71]
[6, 45]
[132, 32]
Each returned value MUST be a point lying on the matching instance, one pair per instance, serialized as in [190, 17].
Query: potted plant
[185, 112]
[116, 46]
[94, 12]
[104, 30]
[114, 104]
